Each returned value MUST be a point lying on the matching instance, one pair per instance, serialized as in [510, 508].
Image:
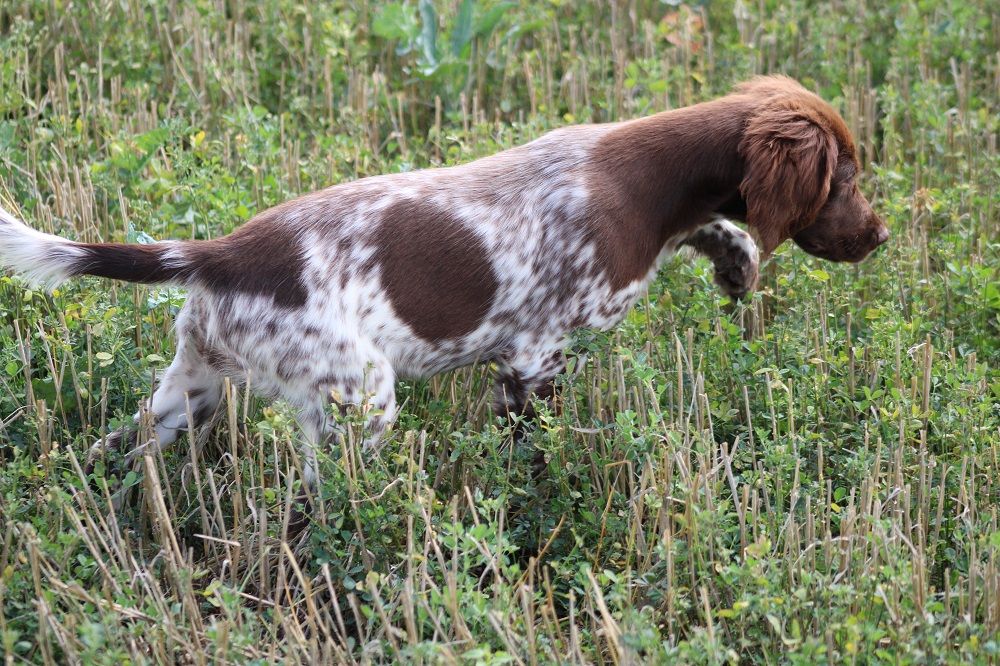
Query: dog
[327, 299]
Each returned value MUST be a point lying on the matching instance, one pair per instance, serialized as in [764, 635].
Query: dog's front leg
[734, 254]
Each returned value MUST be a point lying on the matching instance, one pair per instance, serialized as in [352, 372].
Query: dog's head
[800, 178]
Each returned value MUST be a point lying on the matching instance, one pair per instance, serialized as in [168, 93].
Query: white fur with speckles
[347, 343]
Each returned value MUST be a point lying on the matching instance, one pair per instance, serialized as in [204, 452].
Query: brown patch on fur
[435, 270]
[195, 393]
[262, 258]
[204, 414]
[214, 358]
[120, 261]
[217, 361]
[661, 176]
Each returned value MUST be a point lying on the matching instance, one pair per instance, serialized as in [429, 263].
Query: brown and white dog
[332, 296]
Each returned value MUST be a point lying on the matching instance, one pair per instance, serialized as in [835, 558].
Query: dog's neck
[659, 178]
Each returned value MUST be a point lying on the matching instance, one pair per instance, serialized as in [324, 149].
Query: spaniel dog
[329, 298]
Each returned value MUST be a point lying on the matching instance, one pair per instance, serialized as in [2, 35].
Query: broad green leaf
[461, 32]
[396, 21]
[488, 20]
[428, 31]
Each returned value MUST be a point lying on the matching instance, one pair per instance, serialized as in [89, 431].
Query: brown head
[800, 179]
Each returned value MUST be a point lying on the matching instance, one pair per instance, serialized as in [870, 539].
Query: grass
[810, 477]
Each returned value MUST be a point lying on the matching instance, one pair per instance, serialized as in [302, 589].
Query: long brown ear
[789, 160]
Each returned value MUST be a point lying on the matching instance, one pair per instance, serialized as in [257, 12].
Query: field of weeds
[809, 477]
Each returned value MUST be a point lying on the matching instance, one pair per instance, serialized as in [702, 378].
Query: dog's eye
[838, 187]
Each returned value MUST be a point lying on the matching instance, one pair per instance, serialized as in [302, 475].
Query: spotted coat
[333, 296]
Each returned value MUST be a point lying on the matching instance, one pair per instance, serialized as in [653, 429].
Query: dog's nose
[882, 235]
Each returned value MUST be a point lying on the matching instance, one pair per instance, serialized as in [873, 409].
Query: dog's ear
[789, 159]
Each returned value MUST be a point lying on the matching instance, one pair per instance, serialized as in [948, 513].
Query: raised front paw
[736, 273]
[733, 253]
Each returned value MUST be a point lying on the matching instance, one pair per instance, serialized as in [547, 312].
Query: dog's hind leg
[359, 385]
[190, 384]
[523, 374]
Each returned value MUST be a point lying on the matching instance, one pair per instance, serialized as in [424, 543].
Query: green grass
[811, 477]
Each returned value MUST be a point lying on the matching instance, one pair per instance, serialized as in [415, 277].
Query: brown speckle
[263, 257]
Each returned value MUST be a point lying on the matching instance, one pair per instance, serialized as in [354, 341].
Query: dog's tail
[47, 260]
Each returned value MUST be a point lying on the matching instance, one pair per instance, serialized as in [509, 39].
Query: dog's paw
[736, 274]
[733, 253]
[115, 441]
